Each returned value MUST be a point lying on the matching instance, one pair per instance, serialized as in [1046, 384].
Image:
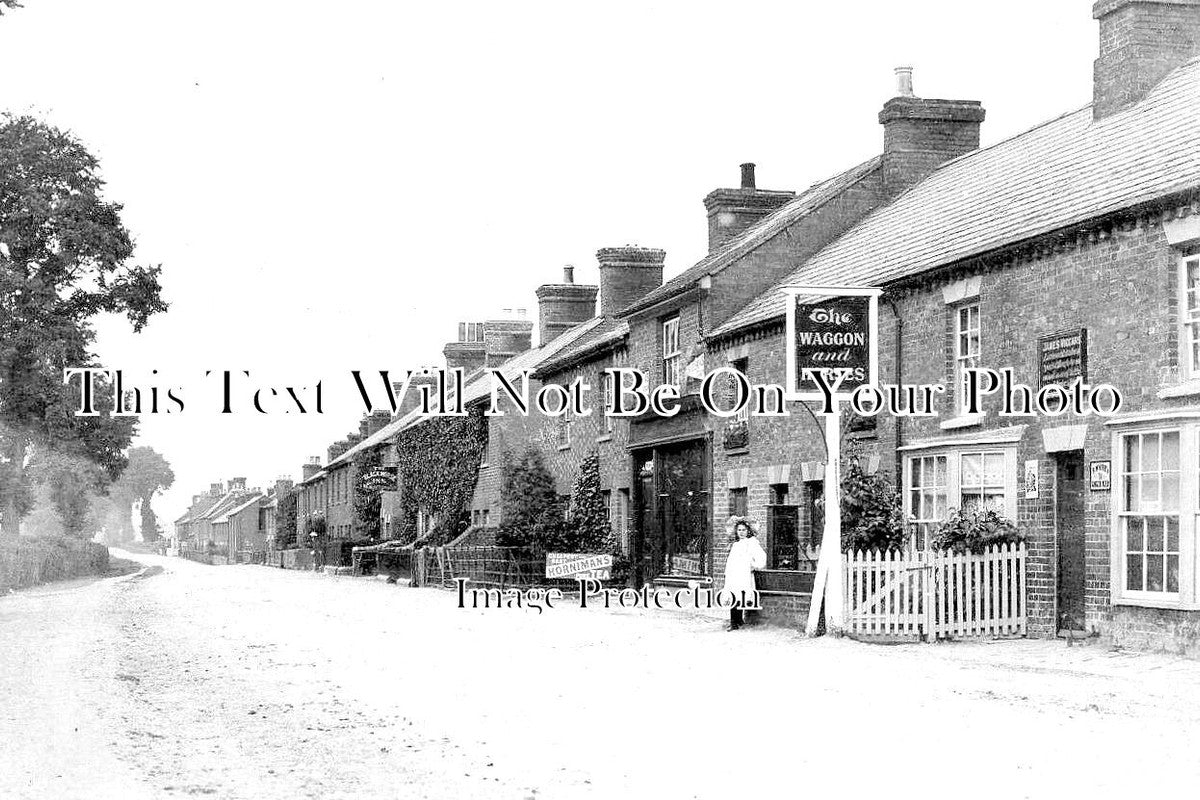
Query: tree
[531, 513]
[285, 520]
[146, 474]
[8, 4]
[64, 258]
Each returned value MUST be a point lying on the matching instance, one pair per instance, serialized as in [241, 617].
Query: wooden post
[828, 584]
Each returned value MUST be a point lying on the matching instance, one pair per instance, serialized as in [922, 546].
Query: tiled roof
[608, 332]
[1061, 173]
[760, 232]
[237, 510]
[475, 386]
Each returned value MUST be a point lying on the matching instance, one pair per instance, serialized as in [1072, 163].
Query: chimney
[336, 449]
[562, 306]
[1140, 42]
[237, 484]
[364, 426]
[627, 273]
[732, 211]
[216, 489]
[378, 421]
[312, 467]
[468, 352]
[282, 486]
[505, 338]
[412, 398]
[920, 135]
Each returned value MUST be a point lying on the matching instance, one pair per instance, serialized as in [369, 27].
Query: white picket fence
[936, 594]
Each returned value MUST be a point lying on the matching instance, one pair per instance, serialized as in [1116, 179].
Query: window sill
[738, 451]
[1187, 389]
[562, 447]
[1169, 603]
[605, 438]
[964, 421]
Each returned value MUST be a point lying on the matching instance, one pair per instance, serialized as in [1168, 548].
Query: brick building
[1068, 251]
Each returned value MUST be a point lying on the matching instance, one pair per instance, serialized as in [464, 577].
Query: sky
[334, 186]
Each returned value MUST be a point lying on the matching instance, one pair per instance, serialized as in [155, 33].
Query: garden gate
[936, 594]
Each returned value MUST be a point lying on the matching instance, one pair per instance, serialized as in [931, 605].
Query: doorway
[672, 503]
[1070, 530]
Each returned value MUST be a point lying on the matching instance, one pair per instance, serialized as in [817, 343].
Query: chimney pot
[748, 175]
[568, 274]
[904, 81]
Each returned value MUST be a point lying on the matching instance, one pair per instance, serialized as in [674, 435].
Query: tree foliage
[146, 474]
[285, 520]
[872, 512]
[589, 530]
[531, 513]
[65, 257]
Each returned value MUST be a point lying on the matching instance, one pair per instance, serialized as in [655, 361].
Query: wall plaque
[1062, 357]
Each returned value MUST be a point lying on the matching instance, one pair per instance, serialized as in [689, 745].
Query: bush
[974, 531]
[531, 513]
[872, 512]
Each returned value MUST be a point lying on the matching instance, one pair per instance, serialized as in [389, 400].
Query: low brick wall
[1156, 630]
[785, 609]
[290, 559]
[27, 560]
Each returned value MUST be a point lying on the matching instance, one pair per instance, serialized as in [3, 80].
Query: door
[1069, 525]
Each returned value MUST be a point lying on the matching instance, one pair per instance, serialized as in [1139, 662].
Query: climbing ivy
[438, 464]
[372, 479]
[590, 530]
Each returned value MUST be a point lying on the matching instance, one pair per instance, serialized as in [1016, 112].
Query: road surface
[250, 682]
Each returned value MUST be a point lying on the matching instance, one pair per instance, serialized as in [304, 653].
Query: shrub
[872, 512]
[531, 513]
[974, 531]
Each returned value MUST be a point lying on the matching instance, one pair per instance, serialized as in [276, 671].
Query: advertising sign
[579, 565]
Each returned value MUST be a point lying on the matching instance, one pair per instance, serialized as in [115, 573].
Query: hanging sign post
[832, 349]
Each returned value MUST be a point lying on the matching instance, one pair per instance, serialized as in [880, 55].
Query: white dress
[745, 555]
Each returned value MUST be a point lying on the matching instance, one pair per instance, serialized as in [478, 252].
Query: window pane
[1154, 573]
[1170, 451]
[1150, 491]
[939, 471]
[1172, 573]
[993, 469]
[1132, 494]
[916, 471]
[1172, 534]
[1170, 492]
[1134, 537]
[1150, 453]
[1132, 453]
[1133, 573]
[1154, 537]
[971, 470]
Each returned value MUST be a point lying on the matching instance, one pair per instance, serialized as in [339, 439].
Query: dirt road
[249, 682]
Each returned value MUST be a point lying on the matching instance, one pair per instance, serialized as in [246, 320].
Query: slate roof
[1061, 173]
[608, 332]
[238, 509]
[475, 386]
[808, 201]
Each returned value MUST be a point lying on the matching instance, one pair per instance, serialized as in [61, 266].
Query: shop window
[966, 348]
[738, 502]
[671, 353]
[1149, 516]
